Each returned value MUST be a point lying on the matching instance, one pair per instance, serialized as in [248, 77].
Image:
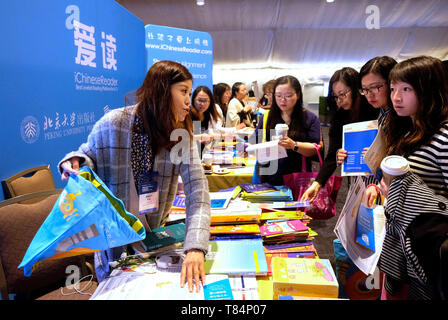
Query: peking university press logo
[29, 129]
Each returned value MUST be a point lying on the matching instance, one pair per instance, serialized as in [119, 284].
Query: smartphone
[379, 174]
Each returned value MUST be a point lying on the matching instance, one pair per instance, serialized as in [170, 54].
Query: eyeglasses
[286, 97]
[202, 101]
[342, 95]
[372, 89]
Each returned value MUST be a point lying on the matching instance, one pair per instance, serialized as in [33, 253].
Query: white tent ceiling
[307, 35]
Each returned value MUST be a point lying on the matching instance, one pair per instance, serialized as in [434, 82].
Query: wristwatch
[296, 146]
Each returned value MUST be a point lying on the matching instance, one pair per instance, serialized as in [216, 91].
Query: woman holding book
[344, 96]
[133, 148]
[303, 131]
[417, 129]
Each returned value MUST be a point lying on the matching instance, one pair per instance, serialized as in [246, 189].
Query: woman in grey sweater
[152, 137]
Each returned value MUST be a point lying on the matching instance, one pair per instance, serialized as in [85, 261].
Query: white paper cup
[393, 166]
[207, 159]
[281, 130]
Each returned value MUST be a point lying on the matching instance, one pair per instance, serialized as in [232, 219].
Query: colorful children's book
[303, 277]
[179, 202]
[165, 237]
[284, 227]
[296, 247]
[281, 194]
[243, 257]
[274, 215]
[270, 256]
[263, 187]
[238, 211]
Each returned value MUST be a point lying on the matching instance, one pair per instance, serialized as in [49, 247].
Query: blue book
[365, 231]
[165, 237]
[241, 257]
[356, 137]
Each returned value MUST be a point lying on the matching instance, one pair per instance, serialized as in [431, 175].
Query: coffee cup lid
[395, 165]
[281, 125]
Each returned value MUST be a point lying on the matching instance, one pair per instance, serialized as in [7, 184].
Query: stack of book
[280, 194]
[296, 277]
[164, 239]
[284, 231]
[300, 249]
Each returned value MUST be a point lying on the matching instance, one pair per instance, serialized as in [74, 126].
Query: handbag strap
[318, 155]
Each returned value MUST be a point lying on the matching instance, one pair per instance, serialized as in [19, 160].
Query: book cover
[303, 277]
[269, 256]
[179, 202]
[238, 211]
[296, 247]
[235, 229]
[365, 232]
[262, 187]
[273, 215]
[164, 236]
[283, 227]
[356, 137]
[218, 290]
[243, 257]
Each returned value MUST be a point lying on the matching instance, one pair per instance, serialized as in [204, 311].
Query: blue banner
[193, 49]
[65, 64]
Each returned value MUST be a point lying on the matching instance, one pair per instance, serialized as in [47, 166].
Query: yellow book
[265, 287]
[282, 215]
[303, 277]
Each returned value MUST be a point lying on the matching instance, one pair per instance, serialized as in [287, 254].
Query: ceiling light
[330, 1]
[200, 2]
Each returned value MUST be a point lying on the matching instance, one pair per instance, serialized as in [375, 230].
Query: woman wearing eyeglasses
[304, 130]
[210, 116]
[351, 106]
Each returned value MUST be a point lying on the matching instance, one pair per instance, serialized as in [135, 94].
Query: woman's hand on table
[193, 270]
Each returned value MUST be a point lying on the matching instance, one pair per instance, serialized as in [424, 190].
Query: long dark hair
[155, 103]
[380, 66]
[429, 79]
[218, 92]
[210, 113]
[297, 130]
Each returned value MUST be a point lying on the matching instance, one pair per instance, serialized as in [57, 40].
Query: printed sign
[59, 77]
[193, 49]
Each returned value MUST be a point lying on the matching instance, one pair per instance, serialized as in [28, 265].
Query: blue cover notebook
[243, 257]
[365, 232]
[354, 144]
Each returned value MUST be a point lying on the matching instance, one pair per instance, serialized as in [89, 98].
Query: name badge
[148, 195]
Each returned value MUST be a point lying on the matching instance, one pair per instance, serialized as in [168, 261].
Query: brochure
[356, 137]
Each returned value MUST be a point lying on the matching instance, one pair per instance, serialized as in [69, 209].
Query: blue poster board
[193, 49]
[63, 65]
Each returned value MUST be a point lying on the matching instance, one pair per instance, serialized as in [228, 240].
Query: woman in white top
[209, 114]
[238, 113]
